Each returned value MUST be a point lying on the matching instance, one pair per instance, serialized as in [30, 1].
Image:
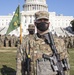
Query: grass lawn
[8, 61]
[71, 53]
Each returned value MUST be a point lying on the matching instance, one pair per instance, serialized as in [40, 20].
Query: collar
[42, 33]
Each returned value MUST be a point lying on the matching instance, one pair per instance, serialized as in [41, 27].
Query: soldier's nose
[42, 20]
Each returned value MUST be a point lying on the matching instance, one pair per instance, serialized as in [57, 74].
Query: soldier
[39, 54]
[13, 40]
[42, 25]
[0, 41]
[6, 41]
[30, 44]
[71, 41]
[21, 58]
[31, 30]
[69, 45]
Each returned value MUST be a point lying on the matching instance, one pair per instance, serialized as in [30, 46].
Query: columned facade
[27, 17]
[33, 5]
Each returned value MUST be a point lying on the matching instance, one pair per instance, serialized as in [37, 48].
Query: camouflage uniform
[35, 47]
[73, 41]
[6, 41]
[3, 37]
[21, 52]
[13, 41]
[0, 40]
[69, 45]
[72, 38]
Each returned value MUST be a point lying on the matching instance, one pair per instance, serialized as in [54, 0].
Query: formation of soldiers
[9, 41]
[14, 41]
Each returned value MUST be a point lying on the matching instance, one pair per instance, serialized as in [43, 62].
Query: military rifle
[55, 61]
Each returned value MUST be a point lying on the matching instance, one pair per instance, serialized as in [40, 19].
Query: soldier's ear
[49, 23]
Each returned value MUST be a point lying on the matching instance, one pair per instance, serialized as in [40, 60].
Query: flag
[15, 22]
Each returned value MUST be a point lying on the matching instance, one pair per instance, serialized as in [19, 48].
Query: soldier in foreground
[42, 55]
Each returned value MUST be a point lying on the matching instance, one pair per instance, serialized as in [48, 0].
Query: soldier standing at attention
[42, 24]
[39, 55]
[0, 41]
[23, 52]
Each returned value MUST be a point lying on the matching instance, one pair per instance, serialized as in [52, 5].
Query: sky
[65, 7]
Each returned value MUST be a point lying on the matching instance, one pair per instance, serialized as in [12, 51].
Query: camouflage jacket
[35, 47]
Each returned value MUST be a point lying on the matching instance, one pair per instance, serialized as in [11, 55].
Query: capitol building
[57, 22]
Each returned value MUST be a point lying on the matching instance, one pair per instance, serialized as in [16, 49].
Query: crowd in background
[14, 41]
[9, 41]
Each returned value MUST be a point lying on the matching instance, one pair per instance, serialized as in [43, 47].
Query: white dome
[34, 5]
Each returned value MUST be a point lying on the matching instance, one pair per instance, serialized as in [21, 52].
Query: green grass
[71, 53]
[8, 48]
[8, 61]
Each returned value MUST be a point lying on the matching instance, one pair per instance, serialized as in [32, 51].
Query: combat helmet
[42, 14]
[31, 26]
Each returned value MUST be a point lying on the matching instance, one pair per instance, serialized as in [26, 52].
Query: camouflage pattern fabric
[19, 61]
[0, 41]
[37, 48]
[41, 14]
[60, 45]
[72, 41]
[69, 42]
[6, 41]
[31, 26]
[2, 37]
[63, 51]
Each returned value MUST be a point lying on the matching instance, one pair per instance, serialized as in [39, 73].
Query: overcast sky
[65, 7]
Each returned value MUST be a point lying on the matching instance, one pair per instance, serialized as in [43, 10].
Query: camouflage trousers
[41, 68]
[44, 68]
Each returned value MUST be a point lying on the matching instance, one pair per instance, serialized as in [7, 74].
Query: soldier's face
[42, 20]
[31, 31]
[42, 24]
